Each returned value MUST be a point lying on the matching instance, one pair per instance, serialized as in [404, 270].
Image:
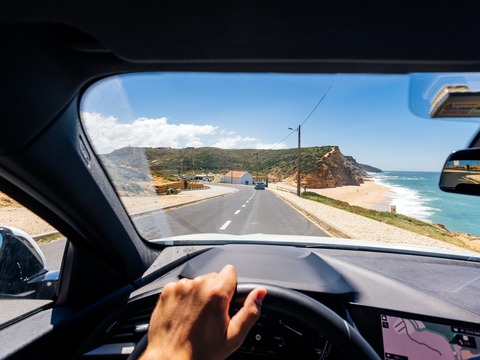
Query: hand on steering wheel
[296, 305]
[191, 319]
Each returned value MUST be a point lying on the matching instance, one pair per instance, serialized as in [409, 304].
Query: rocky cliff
[370, 168]
[333, 169]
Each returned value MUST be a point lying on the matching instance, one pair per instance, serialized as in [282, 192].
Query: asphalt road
[246, 211]
[53, 253]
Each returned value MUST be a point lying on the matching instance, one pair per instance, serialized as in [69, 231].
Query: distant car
[260, 186]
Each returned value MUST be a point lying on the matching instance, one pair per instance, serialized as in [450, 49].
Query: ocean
[416, 194]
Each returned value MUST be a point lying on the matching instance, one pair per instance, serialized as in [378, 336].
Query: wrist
[160, 353]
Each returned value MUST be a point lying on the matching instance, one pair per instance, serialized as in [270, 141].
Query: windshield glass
[218, 153]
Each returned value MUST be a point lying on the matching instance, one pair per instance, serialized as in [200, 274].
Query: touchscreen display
[413, 339]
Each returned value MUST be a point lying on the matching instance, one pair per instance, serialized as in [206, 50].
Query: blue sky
[368, 116]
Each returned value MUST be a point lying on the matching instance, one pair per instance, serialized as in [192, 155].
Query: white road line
[244, 205]
[248, 201]
[237, 212]
[224, 226]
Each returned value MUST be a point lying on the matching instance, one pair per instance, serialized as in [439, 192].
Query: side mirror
[461, 172]
[22, 267]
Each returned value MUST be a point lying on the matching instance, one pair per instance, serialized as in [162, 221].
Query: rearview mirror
[461, 172]
[22, 267]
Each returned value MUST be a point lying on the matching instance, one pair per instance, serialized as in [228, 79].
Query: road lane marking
[224, 226]
[244, 205]
[237, 212]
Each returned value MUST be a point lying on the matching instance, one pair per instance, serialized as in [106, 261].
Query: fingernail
[260, 296]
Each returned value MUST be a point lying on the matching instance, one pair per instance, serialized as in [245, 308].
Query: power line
[309, 115]
[319, 101]
[282, 140]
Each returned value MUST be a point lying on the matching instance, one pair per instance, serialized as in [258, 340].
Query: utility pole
[299, 159]
[298, 166]
[181, 162]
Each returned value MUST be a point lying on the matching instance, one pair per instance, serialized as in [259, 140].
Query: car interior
[325, 301]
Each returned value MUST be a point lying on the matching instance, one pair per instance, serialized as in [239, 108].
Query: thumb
[245, 318]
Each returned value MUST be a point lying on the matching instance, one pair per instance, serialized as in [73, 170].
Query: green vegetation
[399, 220]
[196, 160]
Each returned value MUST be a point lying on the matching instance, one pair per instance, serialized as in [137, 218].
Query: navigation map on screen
[407, 339]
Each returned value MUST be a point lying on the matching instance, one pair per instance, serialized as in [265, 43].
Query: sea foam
[417, 194]
[407, 200]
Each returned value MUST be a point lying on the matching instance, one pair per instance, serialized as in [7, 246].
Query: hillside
[215, 160]
[321, 166]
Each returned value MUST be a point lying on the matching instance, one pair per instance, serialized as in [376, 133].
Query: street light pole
[299, 159]
[257, 166]
[298, 166]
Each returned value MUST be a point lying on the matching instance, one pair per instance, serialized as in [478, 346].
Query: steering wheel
[296, 305]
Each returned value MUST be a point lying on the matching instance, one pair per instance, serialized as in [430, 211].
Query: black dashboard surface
[294, 268]
[373, 291]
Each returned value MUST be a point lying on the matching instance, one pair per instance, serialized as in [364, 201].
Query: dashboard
[407, 306]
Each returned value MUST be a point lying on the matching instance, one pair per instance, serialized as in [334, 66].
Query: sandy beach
[369, 195]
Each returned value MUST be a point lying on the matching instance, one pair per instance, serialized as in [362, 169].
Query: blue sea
[416, 194]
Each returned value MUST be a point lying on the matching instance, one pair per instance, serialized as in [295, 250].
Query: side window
[31, 252]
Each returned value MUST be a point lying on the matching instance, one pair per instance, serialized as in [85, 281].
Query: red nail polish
[260, 297]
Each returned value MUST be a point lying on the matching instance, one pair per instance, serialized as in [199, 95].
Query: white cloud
[108, 134]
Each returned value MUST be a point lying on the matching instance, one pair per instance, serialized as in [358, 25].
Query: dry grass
[6, 200]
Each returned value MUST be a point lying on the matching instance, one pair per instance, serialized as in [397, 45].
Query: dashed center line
[228, 222]
[224, 226]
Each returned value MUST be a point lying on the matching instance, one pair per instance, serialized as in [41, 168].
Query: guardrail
[286, 189]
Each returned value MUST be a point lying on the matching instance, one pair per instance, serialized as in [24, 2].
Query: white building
[237, 177]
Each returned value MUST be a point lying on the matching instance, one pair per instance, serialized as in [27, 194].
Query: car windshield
[184, 152]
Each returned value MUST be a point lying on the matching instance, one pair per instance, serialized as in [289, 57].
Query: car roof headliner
[269, 35]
